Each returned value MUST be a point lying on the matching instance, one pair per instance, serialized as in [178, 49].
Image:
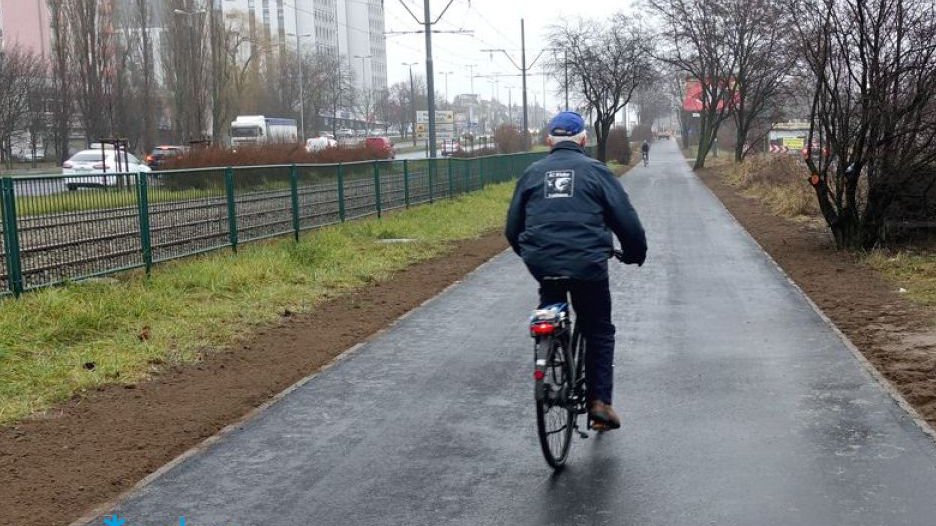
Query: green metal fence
[56, 230]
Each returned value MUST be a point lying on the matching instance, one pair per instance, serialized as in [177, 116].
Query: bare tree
[61, 98]
[22, 80]
[399, 107]
[186, 68]
[698, 44]
[607, 63]
[91, 39]
[873, 109]
[758, 30]
[141, 51]
[233, 59]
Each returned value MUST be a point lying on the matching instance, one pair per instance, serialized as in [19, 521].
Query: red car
[380, 146]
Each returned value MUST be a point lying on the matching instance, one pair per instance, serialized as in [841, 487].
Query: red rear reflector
[539, 375]
[541, 329]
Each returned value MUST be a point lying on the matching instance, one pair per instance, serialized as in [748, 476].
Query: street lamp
[446, 73]
[301, 83]
[363, 84]
[412, 99]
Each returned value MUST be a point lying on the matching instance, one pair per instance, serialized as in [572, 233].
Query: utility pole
[430, 82]
[526, 122]
[427, 24]
[412, 100]
[523, 70]
[446, 73]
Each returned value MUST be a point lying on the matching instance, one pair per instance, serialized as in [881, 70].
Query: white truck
[253, 130]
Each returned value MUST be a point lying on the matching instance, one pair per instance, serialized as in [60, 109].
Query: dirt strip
[896, 335]
[92, 448]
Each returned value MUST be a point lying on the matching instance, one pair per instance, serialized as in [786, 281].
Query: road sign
[441, 117]
[794, 143]
[779, 148]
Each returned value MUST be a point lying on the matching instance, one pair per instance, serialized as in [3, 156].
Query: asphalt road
[741, 407]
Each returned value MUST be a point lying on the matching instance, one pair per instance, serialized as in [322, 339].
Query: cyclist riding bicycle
[645, 151]
[564, 210]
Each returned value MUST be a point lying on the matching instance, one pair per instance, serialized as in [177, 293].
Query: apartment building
[352, 29]
[25, 23]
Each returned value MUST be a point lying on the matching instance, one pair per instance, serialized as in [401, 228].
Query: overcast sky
[496, 24]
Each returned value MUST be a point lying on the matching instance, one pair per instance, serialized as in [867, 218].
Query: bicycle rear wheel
[555, 413]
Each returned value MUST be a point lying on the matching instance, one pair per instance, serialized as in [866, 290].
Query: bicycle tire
[555, 414]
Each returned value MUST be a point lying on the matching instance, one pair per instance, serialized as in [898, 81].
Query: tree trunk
[740, 138]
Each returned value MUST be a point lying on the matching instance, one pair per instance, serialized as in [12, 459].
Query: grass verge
[914, 273]
[59, 341]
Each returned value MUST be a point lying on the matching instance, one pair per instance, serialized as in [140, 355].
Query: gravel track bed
[73, 245]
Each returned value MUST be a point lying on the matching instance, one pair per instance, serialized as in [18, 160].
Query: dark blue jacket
[563, 212]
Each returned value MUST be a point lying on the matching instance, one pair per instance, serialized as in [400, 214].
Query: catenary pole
[526, 123]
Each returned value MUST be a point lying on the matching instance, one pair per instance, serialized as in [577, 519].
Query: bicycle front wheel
[555, 414]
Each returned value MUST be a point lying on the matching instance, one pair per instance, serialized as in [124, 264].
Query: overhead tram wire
[503, 35]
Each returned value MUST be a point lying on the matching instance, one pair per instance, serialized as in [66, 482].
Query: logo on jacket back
[560, 183]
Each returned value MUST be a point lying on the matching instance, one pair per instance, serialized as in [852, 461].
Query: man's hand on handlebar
[619, 255]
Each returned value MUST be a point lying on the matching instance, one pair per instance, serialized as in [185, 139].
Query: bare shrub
[619, 146]
[268, 155]
[509, 139]
[780, 182]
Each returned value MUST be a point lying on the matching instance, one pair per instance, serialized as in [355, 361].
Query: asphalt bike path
[741, 406]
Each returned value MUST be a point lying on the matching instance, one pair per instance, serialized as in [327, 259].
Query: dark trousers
[591, 301]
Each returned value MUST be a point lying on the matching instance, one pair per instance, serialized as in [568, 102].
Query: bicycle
[646, 158]
[559, 379]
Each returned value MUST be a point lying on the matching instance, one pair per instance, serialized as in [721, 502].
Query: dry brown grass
[777, 181]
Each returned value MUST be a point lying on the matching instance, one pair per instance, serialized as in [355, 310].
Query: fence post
[377, 187]
[481, 171]
[467, 172]
[231, 206]
[406, 183]
[430, 167]
[146, 242]
[341, 204]
[450, 179]
[11, 237]
[294, 191]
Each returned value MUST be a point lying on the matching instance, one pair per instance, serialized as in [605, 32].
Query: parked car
[381, 146]
[161, 154]
[451, 147]
[317, 144]
[345, 133]
[92, 168]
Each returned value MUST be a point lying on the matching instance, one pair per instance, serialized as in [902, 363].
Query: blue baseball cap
[566, 124]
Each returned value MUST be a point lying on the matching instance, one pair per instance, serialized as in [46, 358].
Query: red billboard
[692, 101]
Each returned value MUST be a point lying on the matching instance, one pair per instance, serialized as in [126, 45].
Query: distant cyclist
[645, 152]
[564, 210]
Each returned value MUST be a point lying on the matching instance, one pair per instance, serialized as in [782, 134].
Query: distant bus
[257, 129]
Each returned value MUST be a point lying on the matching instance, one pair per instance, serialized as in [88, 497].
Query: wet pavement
[741, 407]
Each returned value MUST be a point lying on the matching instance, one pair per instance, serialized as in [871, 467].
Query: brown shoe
[603, 416]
